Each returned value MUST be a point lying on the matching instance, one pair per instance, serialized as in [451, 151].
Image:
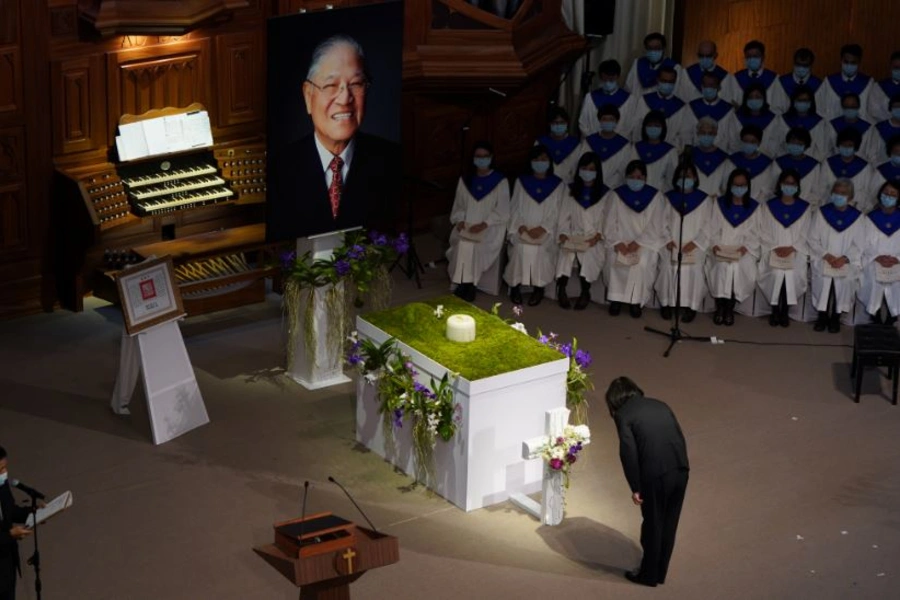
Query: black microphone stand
[675, 334]
[35, 560]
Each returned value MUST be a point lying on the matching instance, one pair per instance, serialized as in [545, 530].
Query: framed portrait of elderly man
[334, 159]
[149, 294]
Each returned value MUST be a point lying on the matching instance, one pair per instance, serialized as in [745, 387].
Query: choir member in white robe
[847, 164]
[882, 91]
[877, 151]
[848, 80]
[754, 111]
[641, 78]
[797, 141]
[801, 75]
[563, 147]
[610, 93]
[761, 167]
[633, 236]
[480, 212]
[613, 148]
[581, 218]
[659, 156]
[690, 83]
[783, 230]
[849, 118]
[881, 256]
[664, 101]
[889, 170]
[712, 163]
[734, 227]
[710, 106]
[802, 113]
[534, 216]
[835, 244]
[754, 72]
[696, 206]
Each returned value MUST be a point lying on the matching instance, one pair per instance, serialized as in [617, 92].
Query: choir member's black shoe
[515, 295]
[783, 318]
[728, 318]
[536, 296]
[636, 578]
[834, 323]
[821, 323]
[470, 292]
[719, 316]
[562, 297]
[774, 318]
[665, 312]
[460, 291]
[615, 308]
[583, 300]
[689, 315]
[635, 311]
[891, 320]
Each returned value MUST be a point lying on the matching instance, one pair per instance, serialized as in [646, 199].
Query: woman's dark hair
[557, 111]
[480, 145]
[734, 174]
[610, 67]
[894, 141]
[894, 183]
[636, 164]
[799, 133]
[686, 168]
[789, 173]
[802, 90]
[534, 153]
[620, 391]
[609, 110]
[577, 187]
[753, 87]
[851, 96]
[655, 116]
[2, 453]
[754, 130]
[850, 134]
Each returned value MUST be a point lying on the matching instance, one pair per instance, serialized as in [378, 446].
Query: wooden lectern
[323, 554]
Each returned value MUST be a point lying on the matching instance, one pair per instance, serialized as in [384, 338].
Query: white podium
[482, 464]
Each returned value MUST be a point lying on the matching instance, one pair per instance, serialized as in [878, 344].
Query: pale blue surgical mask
[666, 88]
[749, 148]
[559, 128]
[888, 201]
[739, 191]
[610, 87]
[687, 184]
[587, 175]
[3, 478]
[849, 69]
[482, 162]
[540, 166]
[706, 140]
[839, 200]
[753, 62]
[895, 113]
[654, 56]
[707, 63]
[755, 103]
[709, 94]
[795, 149]
[851, 114]
[608, 126]
[895, 160]
[895, 74]
[801, 71]
[846, 151]
[635, 185]
[654, 132]
[802, 106]
[789, 190]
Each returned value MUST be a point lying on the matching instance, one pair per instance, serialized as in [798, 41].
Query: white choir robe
[739, 277]
[659, 172]
[531, 264]
[574, 219]
[772, 234]
[632, 284]
[825, 239]
[863, 183]
[831, 135]
[632, 80]
[713, 183]
[828, 101]
[772, 143]
[469, 260]
[612, 166]
[819, 147]
[675, 123]
[588, 122]
[729, 128]
[877, 243]
[875, 149]
[879, 99]
[696, 229]
[780, 100]
[810, 183]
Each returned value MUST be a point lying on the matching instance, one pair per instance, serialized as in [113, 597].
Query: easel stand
[173, 396]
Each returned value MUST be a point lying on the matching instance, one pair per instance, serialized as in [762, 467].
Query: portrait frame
[149, 294]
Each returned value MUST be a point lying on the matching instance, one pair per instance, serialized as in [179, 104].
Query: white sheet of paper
[467, 234]
[778, 262]
[530, 240]
[197, 130]
[628, 260]
[829, 271]
[887, 274]
[577, 243]
[57, 505]
[687, 258]
[729, 253]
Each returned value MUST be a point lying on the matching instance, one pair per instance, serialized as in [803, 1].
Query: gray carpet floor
[794, 488]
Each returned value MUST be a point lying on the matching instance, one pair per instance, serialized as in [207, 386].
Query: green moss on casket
[497, 348]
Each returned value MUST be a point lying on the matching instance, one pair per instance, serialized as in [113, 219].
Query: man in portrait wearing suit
[10, 533]
[654, 457]
[336, 177]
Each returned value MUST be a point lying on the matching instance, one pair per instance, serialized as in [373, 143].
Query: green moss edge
[497, 348]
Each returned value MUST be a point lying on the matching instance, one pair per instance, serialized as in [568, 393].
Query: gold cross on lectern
[348, 556]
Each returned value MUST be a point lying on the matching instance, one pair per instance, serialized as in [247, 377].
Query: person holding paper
[835, 249]
[534, 215]
[784, 225]
[633, 235]
[11, 531]
[731, 267]
[696, 205]
[881, 256]
[479, 217]
[581, 218]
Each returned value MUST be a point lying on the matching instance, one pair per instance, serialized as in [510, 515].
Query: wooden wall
[783, 26]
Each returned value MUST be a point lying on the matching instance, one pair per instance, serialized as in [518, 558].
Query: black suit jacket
[297, 201]
[9, 546]
[650, 441]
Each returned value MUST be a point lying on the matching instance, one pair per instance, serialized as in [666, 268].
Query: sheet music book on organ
[164, 135]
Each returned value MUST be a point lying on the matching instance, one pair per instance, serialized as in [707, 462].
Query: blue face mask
[789, 190]
[607, 126]
[801, 71]
[753, 63]
[846, 151]
[706, 140]
[709, 94]
[795, 149]
[3, 478]
[654, 56]
[666, 88]
[540, 166]
[482, 162]
[687, 185]
[653, 132]
[749, 148]
[895, 160]
[610, 87]
[888, 201]
[851, 114]
[755, 103]
[739, 191]
[706, 63]
[635, 185]
[802, 106]
[839, 200]
[895, 74]
[895, 113]
[849, 69]
[559, 128]
[587, 175]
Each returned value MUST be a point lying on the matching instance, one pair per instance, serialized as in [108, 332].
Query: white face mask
[3, 478]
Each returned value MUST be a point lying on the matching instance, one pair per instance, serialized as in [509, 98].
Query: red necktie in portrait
[334, 191]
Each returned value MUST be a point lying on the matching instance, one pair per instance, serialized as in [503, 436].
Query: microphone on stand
[334, 481]
[28, 490]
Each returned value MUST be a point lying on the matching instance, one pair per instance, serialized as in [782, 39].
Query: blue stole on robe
[854, 86]
[841, 124]
[606, 148]
[736, 214]
[788, 84]
[889, 87]
[787, 214]
[617, 98]
[767, 78]
[886, 130]
[695, 73]
[539, 189]
[708, 162]
[650, 153]
[804, 166]
[886, 224]
[559, 149]
[889, 171]
[647, 74]
[692, 200]
[754, 166]
[586, 198]
[716, 111]
[839, 219]
[849, 170]
[762, 120]
[667, 106]
[807, 121]
[636, 201]
[480, 187]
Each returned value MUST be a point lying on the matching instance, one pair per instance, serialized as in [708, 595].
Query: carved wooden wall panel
[10, 81]
[13, 219]
[9, 22]
[12, 155]
[240, 80]
[78, 105]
